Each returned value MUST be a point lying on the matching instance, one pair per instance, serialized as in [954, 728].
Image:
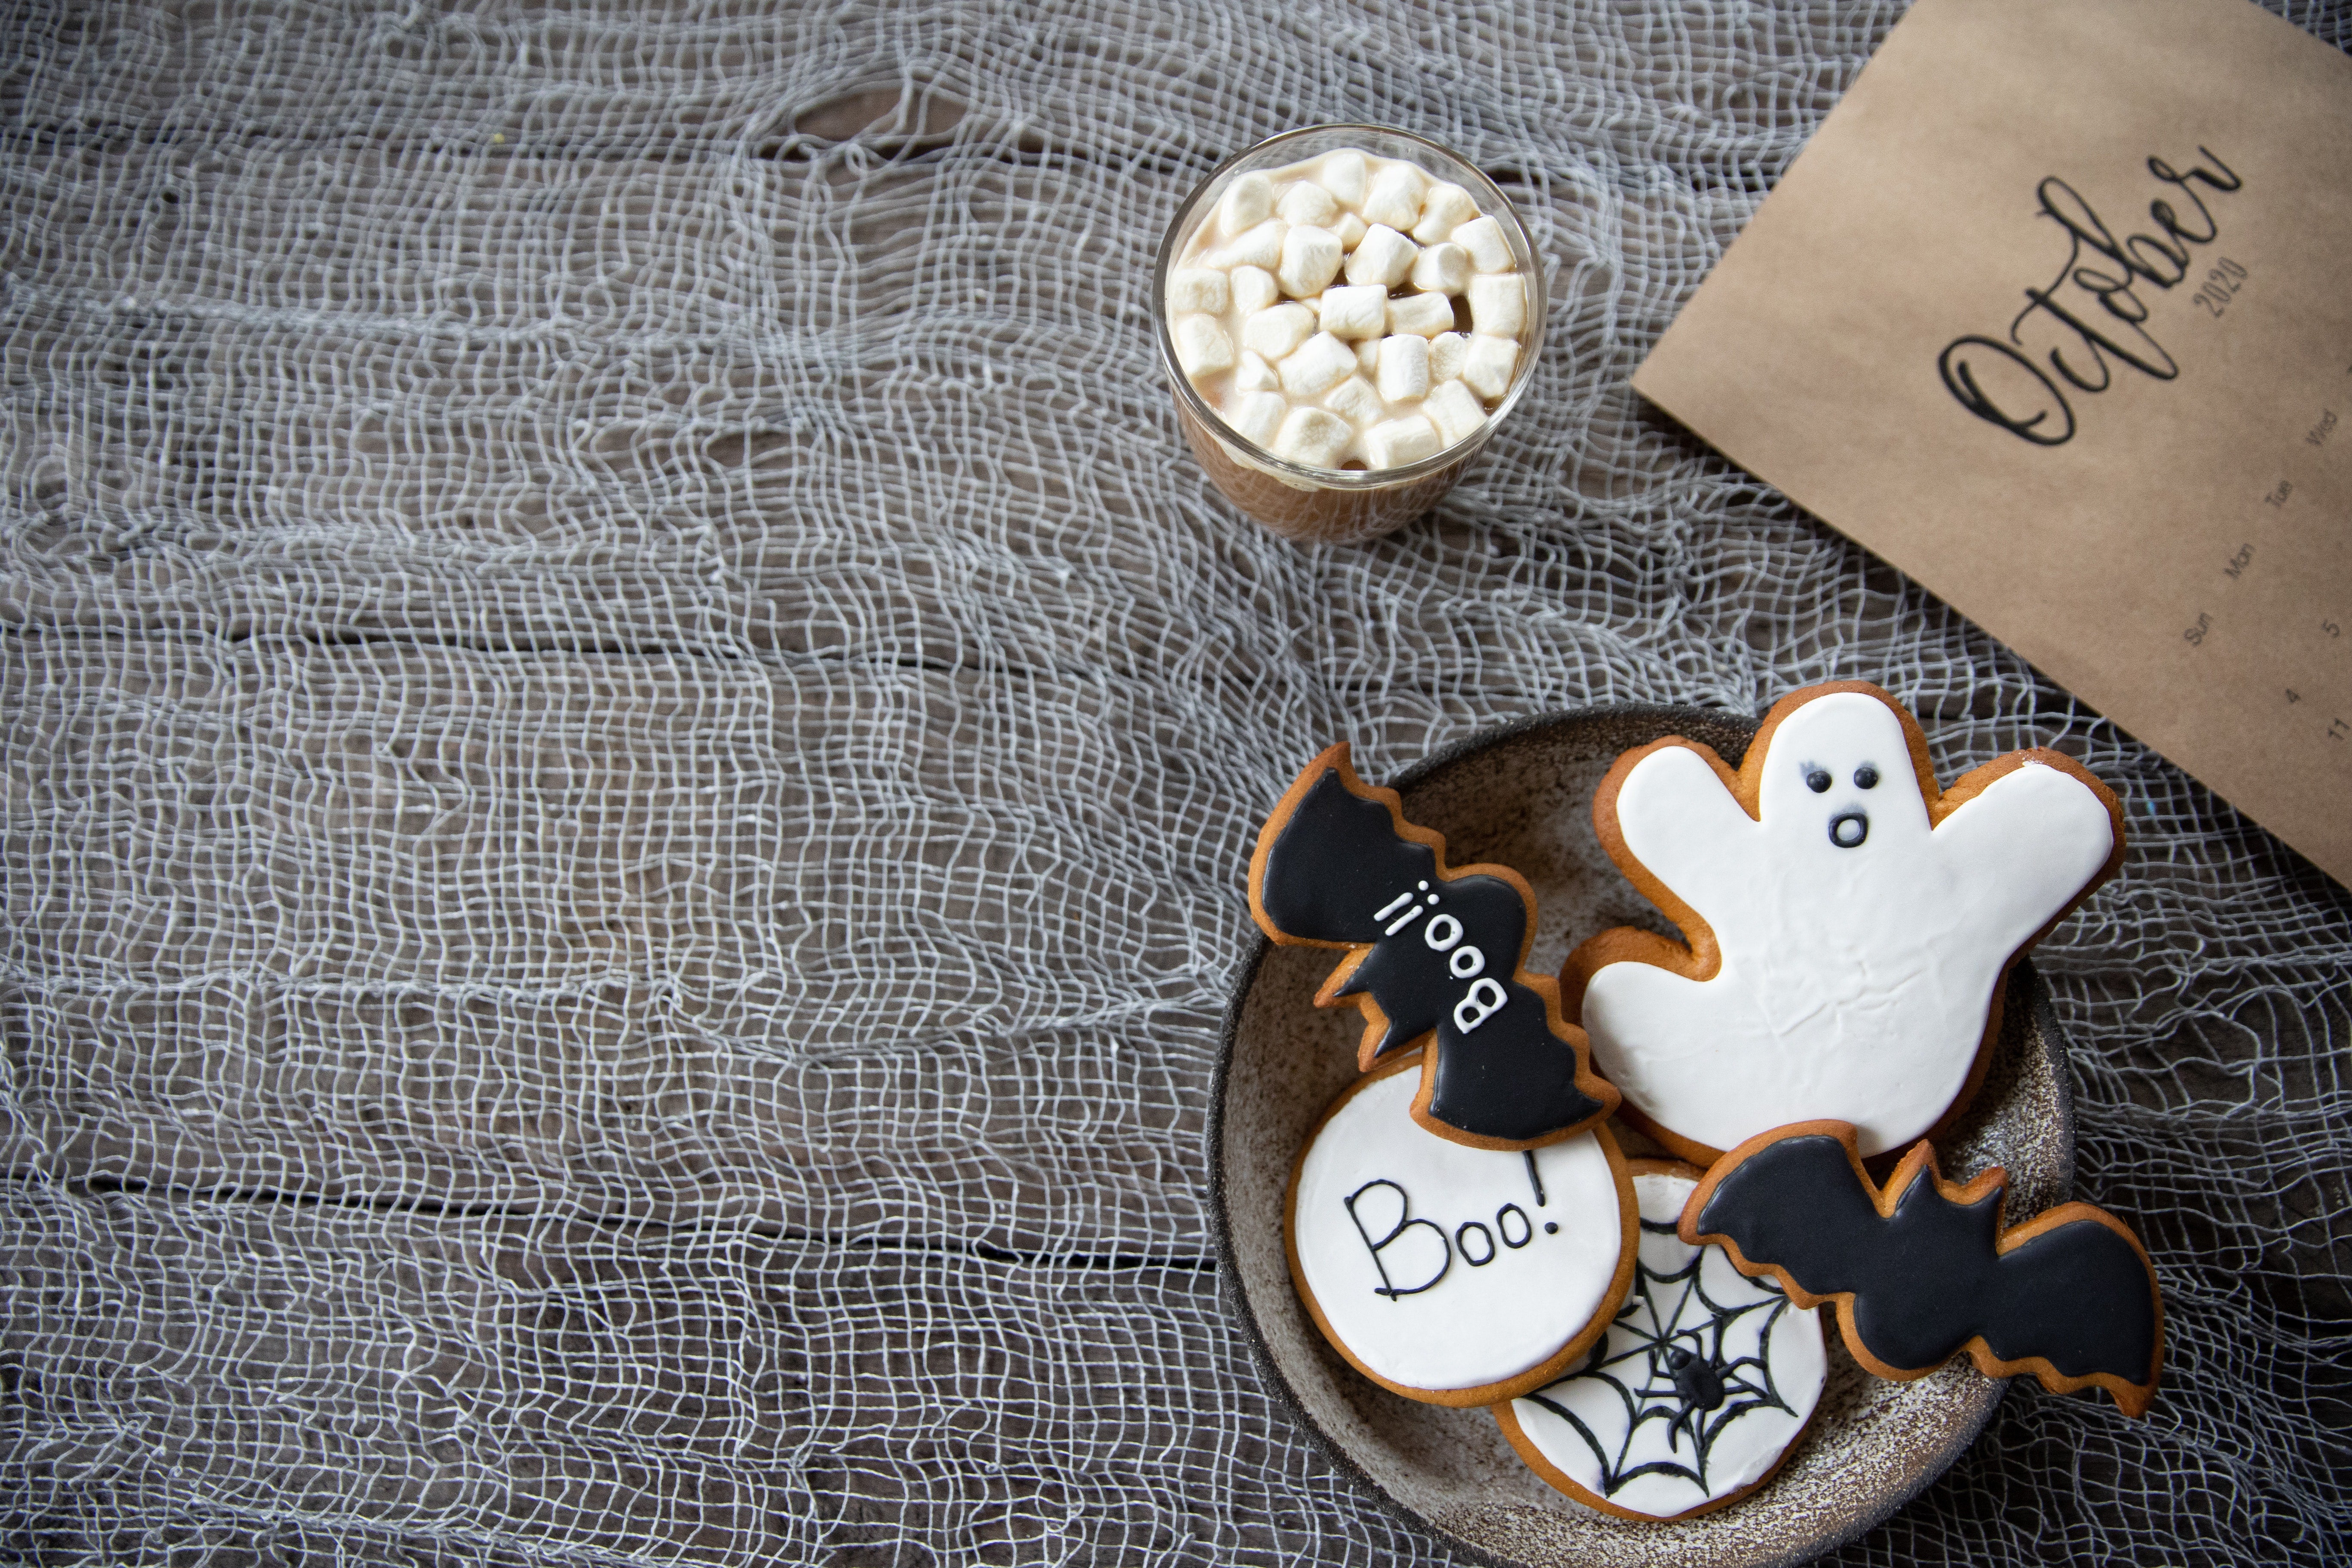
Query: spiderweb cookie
[1697, 1392]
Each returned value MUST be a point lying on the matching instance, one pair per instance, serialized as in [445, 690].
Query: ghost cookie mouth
[1849, 828]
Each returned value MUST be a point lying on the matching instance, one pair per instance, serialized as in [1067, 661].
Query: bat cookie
[1699, 1392]
[1923, 1268]
[1450, 1274]
[1435, 954]
[1848, 926]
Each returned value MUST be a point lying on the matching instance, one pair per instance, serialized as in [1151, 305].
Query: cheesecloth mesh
[630, 744]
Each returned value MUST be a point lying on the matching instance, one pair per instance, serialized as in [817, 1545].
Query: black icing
[1861, 818]
[1700, 1385]
[1338, 861]
[1817, 778]
[1866, 777]
[1335, 865]
[1405, 1222]
[1928, 1280]
[1458, 1246]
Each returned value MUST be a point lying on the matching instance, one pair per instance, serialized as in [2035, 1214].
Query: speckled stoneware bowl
[1522, 795]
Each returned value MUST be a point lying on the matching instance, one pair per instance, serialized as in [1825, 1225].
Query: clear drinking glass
[1335, 505]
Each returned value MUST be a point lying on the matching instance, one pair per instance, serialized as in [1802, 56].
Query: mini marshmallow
[1446, 209]
[1201, 288]
[1356, 313]
[1254, 289]
[1383, 257]
[1483, 238]
[1256, 414]
[1254, 374]
[1342, 175]
[1404, 368]
[1310, 260]
[1309, 203]
[1350, 230]
[1201, 346]
[1499, 304]
[1261, 246]
[1313, 437]
[1454, 409]
[1249, 201]
[1277, 332]
[1320, 363]
[1447, 352]
[1394, 444]
[1423, 315]
[1487, 368]
[1394, 197]
[1441, 269]
[1367, 355]
[1355, 401]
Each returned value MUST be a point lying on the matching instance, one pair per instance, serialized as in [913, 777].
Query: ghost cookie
[1434, 954]
[1848, 925]
[1450, 1274]
[1697, 1392]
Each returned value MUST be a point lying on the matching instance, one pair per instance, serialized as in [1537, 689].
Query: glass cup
[1336, 506]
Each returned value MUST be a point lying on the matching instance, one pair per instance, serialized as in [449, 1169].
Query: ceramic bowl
[1522, 795]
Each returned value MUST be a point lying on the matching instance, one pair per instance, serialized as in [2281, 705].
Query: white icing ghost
[1859, 945]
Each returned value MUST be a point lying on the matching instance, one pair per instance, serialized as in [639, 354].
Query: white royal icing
[1621, 1429]
[1855, 982]
[1482, 1289]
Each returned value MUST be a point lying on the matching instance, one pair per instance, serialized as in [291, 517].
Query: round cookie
[1848, 924]
[1701, 1389]
[1450, 1274]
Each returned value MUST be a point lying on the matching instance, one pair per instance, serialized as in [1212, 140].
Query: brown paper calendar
[2055, 314]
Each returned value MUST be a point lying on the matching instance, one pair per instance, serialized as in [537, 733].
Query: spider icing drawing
[1702, 1381]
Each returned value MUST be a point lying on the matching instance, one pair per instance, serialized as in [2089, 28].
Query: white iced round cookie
[1449, 1273]
[1704, 1383]
[1860, 942]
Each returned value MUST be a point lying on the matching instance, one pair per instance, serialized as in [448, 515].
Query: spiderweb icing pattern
[1667, 1365]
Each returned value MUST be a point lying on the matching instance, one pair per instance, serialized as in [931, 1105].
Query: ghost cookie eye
[1866, 777]
[1817, 778]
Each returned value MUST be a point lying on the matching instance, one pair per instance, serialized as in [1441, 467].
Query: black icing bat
[1435, 952]
[1922, 1268]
